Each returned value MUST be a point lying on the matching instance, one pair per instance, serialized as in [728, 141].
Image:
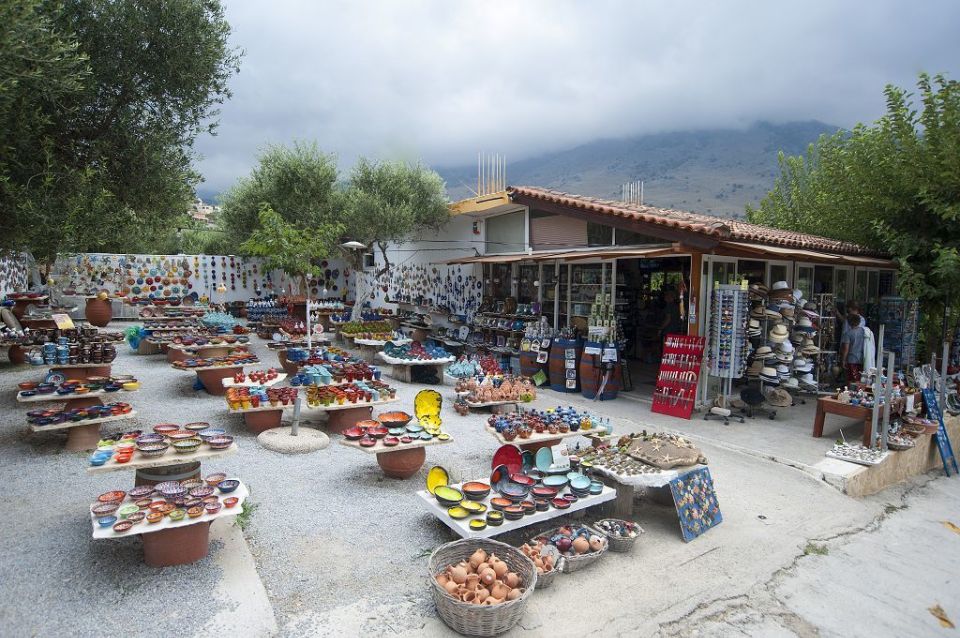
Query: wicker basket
[618, 543]
[477, 620]
[578, 562]
[545, 580]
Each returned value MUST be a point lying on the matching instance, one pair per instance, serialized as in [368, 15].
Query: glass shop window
[599, 235]
[497, 280]
[752, 271]
[526, 291]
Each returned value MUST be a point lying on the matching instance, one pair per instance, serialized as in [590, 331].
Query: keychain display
[679, 375]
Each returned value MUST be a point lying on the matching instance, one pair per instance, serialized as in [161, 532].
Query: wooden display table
[829, 405]
[462, 527]
[170, 458]
[169, 542]
[340, 417]
[182, 351]
[230, 383]
[76, 400]
[83, 371]
[212, 376]
[402, 369]
[82, 435]
[536, 441]
[399, 461]
[37, 323]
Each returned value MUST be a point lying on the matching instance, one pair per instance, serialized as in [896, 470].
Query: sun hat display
[769, 375]
[783, 371]
[780, 285]
[786, 346]
[758, 291]
[763, 351]
[808, 381]
[779, 333]
[755, 368]
[809, 347]
[802, 365]
[779, 398]
[787, 311]
[791, 383]
[805, 324]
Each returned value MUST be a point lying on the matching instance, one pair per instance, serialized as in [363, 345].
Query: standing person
[672, 322]
[851, 348]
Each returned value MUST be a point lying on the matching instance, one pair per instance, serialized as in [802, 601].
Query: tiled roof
[717, 227]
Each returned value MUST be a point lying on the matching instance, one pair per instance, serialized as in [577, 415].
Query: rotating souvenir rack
[728, 346]
[679, 375]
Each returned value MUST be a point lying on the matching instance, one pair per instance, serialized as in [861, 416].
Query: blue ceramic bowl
[228, 485]
[97, 461]
[106, 521]
[28, 393]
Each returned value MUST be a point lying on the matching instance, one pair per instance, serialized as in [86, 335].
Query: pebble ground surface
[341, 549]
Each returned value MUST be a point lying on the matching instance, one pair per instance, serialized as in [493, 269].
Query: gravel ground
[341, 549]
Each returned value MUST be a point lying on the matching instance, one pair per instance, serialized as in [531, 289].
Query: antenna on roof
[632, 193]
[491, 173]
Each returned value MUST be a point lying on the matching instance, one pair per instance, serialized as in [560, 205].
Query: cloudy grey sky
[439, 80]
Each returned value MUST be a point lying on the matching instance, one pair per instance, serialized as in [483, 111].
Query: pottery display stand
[344, 416]
[169, 466]
[83, 371]
[288, 366]
[368, 348]
[20, 305]
[82, 435]
[98, 312]
[626, 486]
[402, 370]
[86, 400]
[400, 461]
[829, 405]
[264, 417]
[536, 441]
[230, 383]
[38, 323]
[212, 376]
[462, 527]
[496, 407]
[169, 543]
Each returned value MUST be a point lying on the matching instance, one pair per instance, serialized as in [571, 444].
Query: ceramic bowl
[513, 512]
[122, 526]
[514, 491]
[542, 504]
[144, 503]
[542, 491]
[353, 434]
[397, 431]
[196, 426]
[191, 501]
[476, 490]
[153, 449]
[194, 512]
[394, 419]
[174, 493]
[150, 438]
[177, 514]
[391, 441]
[166, 428]
[457, 513]
[105, 509]
[141, 491]
[220, 442]
[448, 496]
[529, 507]
[230, 501]
[28, 393]
[97, 461]
[114, 496]
[406, 439]
[130, 386]
[367, 441]
[377, 432]
[499, 503]
[368, 423]
[136, 517]
[214, 479]
[213, 507]
[126, 510]
[478, 524]
[181, 435]
[192, 483]
[473, 507]
[560, 503]
[28, 385]
[202, 492]
[209, 433]
[154, 517]
[186, 446]
[228, 485]
[494, 518]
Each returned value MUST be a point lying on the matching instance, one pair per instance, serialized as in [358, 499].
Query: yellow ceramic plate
[436, 477]
[473, 507]
[443, 436]
[458, 512]
[478, 524]
[427, 404]
[448, 493]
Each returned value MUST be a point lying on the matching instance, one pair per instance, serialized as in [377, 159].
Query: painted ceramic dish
[391, 441]
[494, 518]
[443, 436]
[544, 459]
[368, 423]
[141, 491]
[499, 476]
[413, 428]
[514, 492]
[196, 426]
[510, 456]
[177, 514]
[105, 509]
[498, 502]
[367, 441]
[560, 504]
[115, 496]
[473, 507]
[394, 419]
[438, 476]
[166, 428]
[228, 485]
[557, 480]
[522, 479]
[456, 512]
[475, 490]
[542, 491]
[478, 524]
[580, 482]
[397, 431]
[230, 501]
[513, 513]
[528, 461]
[106, 521]
[353, 434]
[127, 510]
[122, 526]
[448, 496]
[427, 403]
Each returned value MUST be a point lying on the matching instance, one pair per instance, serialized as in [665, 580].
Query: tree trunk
[362, 291]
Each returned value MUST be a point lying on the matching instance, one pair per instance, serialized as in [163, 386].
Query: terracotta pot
[98, 312]
[402, 464]
[17, 355]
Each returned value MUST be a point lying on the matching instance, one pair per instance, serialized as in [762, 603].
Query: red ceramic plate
[510, 456]
[544, 492]
[560, 504]
[390, 441]
[406, 439]
[522, 479]
[353, 433]
[367, 442]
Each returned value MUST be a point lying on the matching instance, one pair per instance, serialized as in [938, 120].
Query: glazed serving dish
[436, 477]
[394, 419]
[448, 496]
[228, 485]
[475, 490]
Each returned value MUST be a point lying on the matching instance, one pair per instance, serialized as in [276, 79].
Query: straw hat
[779, 398]
[786, 346]
[758, 291]
[769, 375]
[755, 368]
[762, 351]
[779, 333]
[802, 365]
[780, 285]
[791, 383]
[783, 371]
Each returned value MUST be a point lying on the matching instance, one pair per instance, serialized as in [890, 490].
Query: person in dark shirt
[672, 322]
[851, 348]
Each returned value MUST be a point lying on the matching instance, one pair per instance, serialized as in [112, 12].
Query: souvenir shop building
[586, 260]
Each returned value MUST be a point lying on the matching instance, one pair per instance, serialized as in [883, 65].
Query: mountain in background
[710, 171]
